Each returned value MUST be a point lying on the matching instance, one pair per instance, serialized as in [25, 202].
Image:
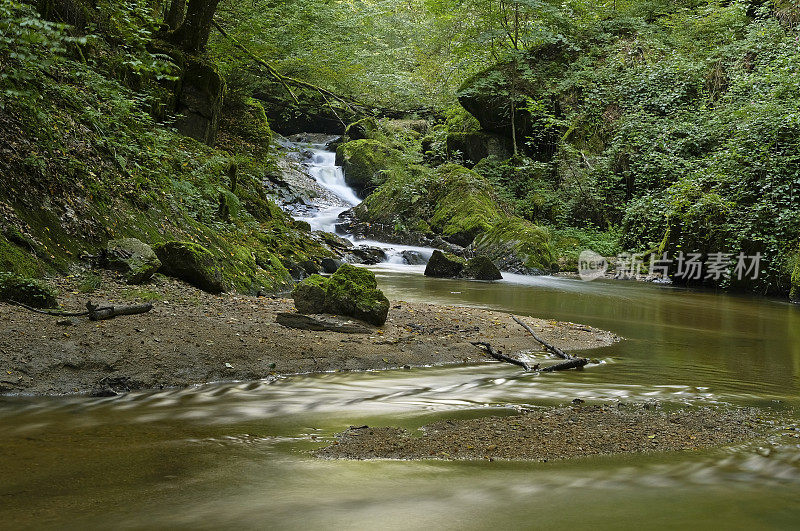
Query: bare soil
[191, 337]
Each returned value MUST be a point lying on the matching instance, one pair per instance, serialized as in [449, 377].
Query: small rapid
[321, 165]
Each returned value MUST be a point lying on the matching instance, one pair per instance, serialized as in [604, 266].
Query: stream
[239, 454]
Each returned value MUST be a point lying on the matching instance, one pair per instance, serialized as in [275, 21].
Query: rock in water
[444, 265]
[413, 257]
[309, 295]
[354, 291]
[481, 268]
[330, 265]
[26, 291]
[132, 257]
[191, 262]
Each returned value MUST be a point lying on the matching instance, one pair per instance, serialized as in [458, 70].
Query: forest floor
[191, 337]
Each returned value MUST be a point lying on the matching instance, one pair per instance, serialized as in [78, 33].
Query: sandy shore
[191, 337]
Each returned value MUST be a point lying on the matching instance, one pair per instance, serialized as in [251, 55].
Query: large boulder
[363, 162]
[351, 291]
[354, 291]
[477, 146]
[481, 268]
[191, 262]
[444, 265]
[517, 246]
[199, 102]
[309, 295]
[132, 257]
[364, 128]
[27, 291]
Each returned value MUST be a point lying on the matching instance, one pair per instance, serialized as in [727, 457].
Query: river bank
[191, 337]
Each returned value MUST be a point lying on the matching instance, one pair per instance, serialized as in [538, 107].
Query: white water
[324, 170]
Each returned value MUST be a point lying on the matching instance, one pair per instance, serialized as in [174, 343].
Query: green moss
[27, 291]
[481, 268]
[444, 265]
[354, 291]
[364, 128]
[191, 262]
[309, 295]
[15, 259]
[364, 162]
[515, 242]
[465, 205]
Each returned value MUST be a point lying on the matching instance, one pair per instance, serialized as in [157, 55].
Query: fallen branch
[575, 363]
[500, 356]
[551, 348]
[109, 312]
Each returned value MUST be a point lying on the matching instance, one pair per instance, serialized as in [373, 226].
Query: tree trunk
[193, 34]
[174, 16]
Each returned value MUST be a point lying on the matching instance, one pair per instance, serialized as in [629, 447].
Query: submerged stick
[551, 348]
[500, 356]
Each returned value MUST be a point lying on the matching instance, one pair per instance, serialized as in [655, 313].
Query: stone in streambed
[354, 291]
[351, 291]
[444, 265]
[309, 295]
[413, 257]
[481, 268]
[330, 265]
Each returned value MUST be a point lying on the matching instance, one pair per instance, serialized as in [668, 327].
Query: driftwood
[500, 356]
[97, 313]
[94, 312]
[575, 363]
[551, 348]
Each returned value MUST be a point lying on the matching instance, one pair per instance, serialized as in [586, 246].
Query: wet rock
[364, 254]
[413, 257]
[330, 265]
[354, 291]
[444, 265]
[192, 263]
[132, 257]
[27, 291]
[481, 268]
[309, 295]
[363, 161]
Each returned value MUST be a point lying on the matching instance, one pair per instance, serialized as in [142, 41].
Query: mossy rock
[229, 206]
[475, 147]
[517, 246]
[481, 268]
[465, 205]
[363, 162]
[192, 263]
[309, 295]
[27, 291]
[353, 291]
[132, 257]
[364, 128]
[299, 224]
[444, 265]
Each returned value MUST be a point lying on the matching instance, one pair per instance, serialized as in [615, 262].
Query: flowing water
[239, 454]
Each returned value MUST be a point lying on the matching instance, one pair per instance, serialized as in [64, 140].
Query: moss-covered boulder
[309, 295]
[132, 257]
[481, 268]
[364, 128]
[517, 246]
[27, 291]
[192, 263]
[363, 162]
[476, 146]
[444, 265]
[354, 291]
[199, 105]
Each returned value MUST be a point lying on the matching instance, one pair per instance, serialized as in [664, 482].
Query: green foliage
[27, 291]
